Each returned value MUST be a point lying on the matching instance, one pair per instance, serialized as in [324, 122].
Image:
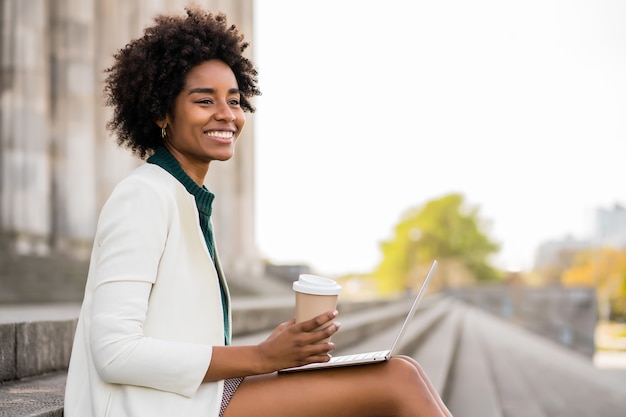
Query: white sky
[367, 111]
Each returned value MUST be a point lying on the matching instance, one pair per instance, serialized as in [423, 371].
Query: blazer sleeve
[121, 353]
[132, 233]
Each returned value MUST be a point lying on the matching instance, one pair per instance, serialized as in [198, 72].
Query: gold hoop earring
[163, 133]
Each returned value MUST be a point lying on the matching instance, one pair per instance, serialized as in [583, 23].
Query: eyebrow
[208, 90]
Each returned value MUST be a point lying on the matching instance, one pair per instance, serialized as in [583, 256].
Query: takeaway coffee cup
[315, 295]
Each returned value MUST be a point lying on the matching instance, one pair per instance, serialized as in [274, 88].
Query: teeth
[220, 134]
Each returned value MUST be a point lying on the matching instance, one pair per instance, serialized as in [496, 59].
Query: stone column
[233, 181]
[73, 111]
[117, 24]
[24, 126]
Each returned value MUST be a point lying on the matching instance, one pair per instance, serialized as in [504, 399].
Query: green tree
[445, 229]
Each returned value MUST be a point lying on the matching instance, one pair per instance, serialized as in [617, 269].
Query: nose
[225, 113]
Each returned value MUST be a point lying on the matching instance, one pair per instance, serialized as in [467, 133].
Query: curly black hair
[150, 72]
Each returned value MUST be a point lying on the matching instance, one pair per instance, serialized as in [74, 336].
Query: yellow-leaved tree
[604, 269]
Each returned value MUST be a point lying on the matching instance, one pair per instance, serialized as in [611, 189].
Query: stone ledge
[24, 313]
[35, 348]
[8, 361]
[435, 348]
[33, 397]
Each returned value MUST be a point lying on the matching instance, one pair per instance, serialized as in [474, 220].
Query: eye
[234, 102]
[205, 101]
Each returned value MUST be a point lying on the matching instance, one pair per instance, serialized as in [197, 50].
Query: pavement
[610, 360]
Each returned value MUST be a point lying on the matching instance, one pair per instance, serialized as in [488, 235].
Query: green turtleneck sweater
[204, 202]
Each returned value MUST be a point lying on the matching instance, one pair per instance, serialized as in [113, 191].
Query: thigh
[337, 392]
[390, 388]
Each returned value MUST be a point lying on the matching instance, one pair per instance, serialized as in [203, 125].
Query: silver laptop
[371, 357]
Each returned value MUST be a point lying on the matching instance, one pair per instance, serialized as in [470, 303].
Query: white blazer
[152, 308]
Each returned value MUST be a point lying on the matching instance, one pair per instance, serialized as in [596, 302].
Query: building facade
[611, 227]
[609, 231]
[58, 163]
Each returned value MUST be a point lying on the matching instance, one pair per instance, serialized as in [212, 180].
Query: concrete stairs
[61, 279]
[41, 279]
[481, 365]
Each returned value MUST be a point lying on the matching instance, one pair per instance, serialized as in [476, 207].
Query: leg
[394, 388]
[426, 380]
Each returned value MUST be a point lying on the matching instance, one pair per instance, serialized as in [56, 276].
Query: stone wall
[568, 316]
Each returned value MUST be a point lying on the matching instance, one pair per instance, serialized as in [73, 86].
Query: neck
[196, 170]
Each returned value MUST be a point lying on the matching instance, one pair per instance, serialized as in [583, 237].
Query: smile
[220, 134]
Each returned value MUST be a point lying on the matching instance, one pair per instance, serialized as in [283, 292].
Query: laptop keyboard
[357, 356]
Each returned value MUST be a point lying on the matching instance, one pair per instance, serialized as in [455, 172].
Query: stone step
[37, 339]
[34, 348]
[513, 390]
[562, 382]
[262, 314]
[41, 396]
[41, 279]
[470, 389]
[481, 365]
[428, 314]
[58, 278]
[435, 350]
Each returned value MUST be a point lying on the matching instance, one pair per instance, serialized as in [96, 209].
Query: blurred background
[488, 135]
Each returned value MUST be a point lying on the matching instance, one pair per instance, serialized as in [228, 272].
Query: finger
[317, 355]
[320, 358]
[316, 322]
[324, 333]
[320, 348]
[324, 348]
[303, 339]
[286, 324]
[317, 341]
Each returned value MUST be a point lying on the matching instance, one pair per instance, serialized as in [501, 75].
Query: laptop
[371, 357]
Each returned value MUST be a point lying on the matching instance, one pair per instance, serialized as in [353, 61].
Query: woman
[153, 337]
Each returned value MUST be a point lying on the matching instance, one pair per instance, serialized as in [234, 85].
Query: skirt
[230, 386]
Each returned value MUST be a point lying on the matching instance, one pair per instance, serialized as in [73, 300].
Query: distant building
[610, 228]
[559, 253]
[609, 231]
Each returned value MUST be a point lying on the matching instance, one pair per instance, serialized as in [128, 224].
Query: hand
[292, 344]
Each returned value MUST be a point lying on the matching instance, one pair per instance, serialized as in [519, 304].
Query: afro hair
[149, 72]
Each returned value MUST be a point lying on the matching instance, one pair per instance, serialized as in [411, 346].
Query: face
[206, 120]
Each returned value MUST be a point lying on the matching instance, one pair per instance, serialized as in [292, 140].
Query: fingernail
[335, 313]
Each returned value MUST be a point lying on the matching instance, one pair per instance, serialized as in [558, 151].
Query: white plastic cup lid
[316, 285]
